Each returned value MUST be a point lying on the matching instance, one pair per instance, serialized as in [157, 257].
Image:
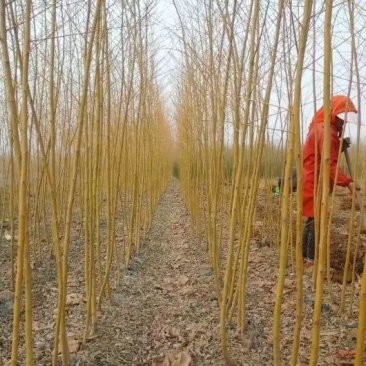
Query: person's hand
[346, 143]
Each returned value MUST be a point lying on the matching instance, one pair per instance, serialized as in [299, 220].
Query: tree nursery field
[155, 199]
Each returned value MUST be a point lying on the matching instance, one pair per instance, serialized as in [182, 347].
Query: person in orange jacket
[312, 153]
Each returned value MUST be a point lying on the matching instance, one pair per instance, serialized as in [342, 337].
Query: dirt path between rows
[165, 312]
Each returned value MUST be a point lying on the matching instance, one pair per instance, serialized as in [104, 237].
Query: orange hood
[338, 104]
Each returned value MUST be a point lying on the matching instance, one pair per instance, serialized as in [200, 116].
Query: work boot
[308, 240]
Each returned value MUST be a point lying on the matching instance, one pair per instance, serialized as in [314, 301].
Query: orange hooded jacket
[313, 148]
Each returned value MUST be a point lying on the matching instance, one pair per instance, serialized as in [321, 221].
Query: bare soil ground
[164, 310]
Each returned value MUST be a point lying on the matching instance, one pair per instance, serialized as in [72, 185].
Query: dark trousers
[308, 239]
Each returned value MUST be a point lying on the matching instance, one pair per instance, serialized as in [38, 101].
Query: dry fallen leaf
[180, 359]
[186, 290]
[182, 280]
[337, 276]
[73, 342]
[74, 299]
[73, 282]
[309, 269]
[35, 328]
[178, 258]
[6, 296]
[329, 360]
[289, 283]
[177, 265]
[329, 332]
[245, 340]
[74, 345]
[346, 353]
[184, 359]
[169, 332]
[263, 283]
